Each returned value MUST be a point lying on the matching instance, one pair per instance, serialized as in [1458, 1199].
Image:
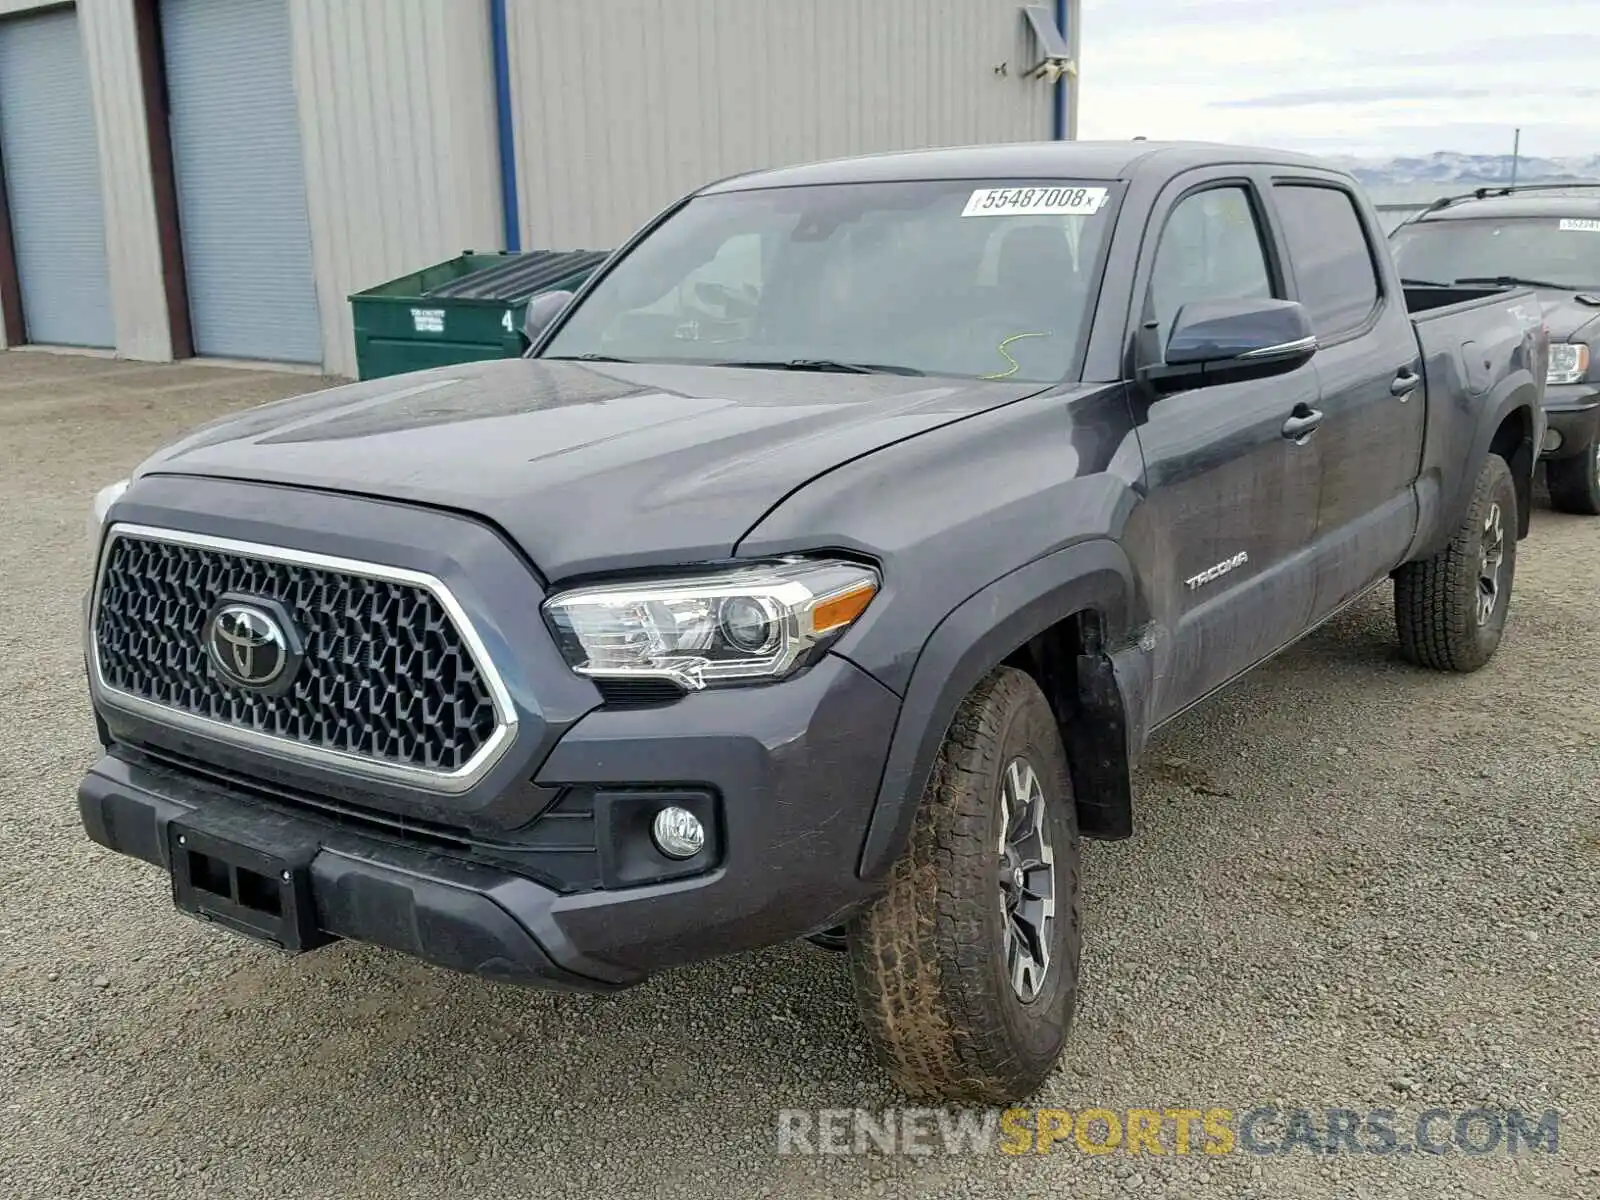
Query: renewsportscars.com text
[1177, 1130]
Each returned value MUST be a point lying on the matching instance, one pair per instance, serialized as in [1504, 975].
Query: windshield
[1563, 251]
[984, 280]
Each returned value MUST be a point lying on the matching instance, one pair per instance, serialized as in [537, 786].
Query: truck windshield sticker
[1580, 225]
[1035, 202]
[1015, 365]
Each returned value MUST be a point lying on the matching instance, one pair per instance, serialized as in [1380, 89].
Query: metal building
[215, 177]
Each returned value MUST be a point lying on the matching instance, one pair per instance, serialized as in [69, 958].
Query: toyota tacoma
[820, 571]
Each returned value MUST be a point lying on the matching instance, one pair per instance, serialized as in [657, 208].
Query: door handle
[1405, 383]
[1302, 424]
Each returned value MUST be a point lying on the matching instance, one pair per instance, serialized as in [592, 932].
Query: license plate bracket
[250, 875]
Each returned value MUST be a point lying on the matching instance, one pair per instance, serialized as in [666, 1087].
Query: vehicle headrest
[1033, 254]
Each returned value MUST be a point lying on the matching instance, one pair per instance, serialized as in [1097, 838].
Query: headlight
[747, 623]
[1568, 362]
[103, 500]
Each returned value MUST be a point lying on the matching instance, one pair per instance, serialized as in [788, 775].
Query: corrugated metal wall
[133, 248]
[397, 119]
[623, 105]
[620, 106]
[133, 253]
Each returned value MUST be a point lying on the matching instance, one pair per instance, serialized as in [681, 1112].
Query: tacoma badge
[1218, 571]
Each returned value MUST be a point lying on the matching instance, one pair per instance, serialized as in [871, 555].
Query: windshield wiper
[1511, 281]
[1421, 282]
[588, 358]
[824, 364]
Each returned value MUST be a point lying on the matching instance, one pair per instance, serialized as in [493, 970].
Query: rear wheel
[1575, 482]
[966, 968]
[1450, 610]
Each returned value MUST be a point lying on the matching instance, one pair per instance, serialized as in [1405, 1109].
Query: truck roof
[1576, 203]
[1065, 160]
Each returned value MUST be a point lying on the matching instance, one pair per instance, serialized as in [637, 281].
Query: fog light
[678, 832]
[1552, 440]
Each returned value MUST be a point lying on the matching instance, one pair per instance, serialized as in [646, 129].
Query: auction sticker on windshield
[1579, 225]
[1035, 202]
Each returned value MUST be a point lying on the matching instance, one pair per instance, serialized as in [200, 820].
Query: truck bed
[1477, 342]
[1425, 303]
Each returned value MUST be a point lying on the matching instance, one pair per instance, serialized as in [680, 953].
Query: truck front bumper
[786, 773]
[1573, 411]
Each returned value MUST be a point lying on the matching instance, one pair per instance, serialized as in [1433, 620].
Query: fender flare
[964, 647]
[1520, 392]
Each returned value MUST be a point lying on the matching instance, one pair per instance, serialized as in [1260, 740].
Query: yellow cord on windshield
[1015, 365]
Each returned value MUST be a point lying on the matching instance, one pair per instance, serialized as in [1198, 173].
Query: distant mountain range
[1446, 166]
[1415, 180]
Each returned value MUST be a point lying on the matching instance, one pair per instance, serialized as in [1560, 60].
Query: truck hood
[1568, 320]
[589, 467]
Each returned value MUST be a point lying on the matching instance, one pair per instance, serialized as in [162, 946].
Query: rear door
[1231, 502]
[1370, 369]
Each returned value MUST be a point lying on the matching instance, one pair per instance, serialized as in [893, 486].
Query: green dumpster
[466, 309]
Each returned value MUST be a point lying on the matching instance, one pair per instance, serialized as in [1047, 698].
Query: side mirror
[543, 309]
[1222, 341]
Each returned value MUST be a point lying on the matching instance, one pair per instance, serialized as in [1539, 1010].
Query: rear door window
[1332, 256]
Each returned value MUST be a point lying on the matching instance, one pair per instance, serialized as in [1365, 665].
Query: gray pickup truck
[821, 572]
[1540, 236]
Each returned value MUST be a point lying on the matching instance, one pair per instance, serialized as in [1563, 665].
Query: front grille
[387, 675]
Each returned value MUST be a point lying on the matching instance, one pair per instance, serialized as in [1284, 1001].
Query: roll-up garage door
[241, 179]
[52, 168]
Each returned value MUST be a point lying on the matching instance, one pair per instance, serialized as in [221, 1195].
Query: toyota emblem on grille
[252, 644]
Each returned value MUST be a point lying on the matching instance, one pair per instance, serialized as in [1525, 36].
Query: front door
[1231, 501]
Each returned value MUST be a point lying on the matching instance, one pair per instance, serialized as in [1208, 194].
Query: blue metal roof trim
[1059, 116]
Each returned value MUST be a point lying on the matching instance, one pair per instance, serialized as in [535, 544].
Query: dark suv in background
[1546, 237]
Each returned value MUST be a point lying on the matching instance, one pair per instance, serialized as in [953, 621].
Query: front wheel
[1450, 610]
[1575, 482]
[966, 968]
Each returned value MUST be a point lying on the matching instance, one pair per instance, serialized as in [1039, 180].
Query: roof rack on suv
[1483, 193]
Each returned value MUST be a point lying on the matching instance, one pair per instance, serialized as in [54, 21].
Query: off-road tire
[1575, 482]
[928, 956]
[1436, 601]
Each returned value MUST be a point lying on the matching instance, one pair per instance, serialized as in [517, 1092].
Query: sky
[1365, 77]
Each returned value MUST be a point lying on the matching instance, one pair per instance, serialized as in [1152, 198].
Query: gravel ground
[1356, 885]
